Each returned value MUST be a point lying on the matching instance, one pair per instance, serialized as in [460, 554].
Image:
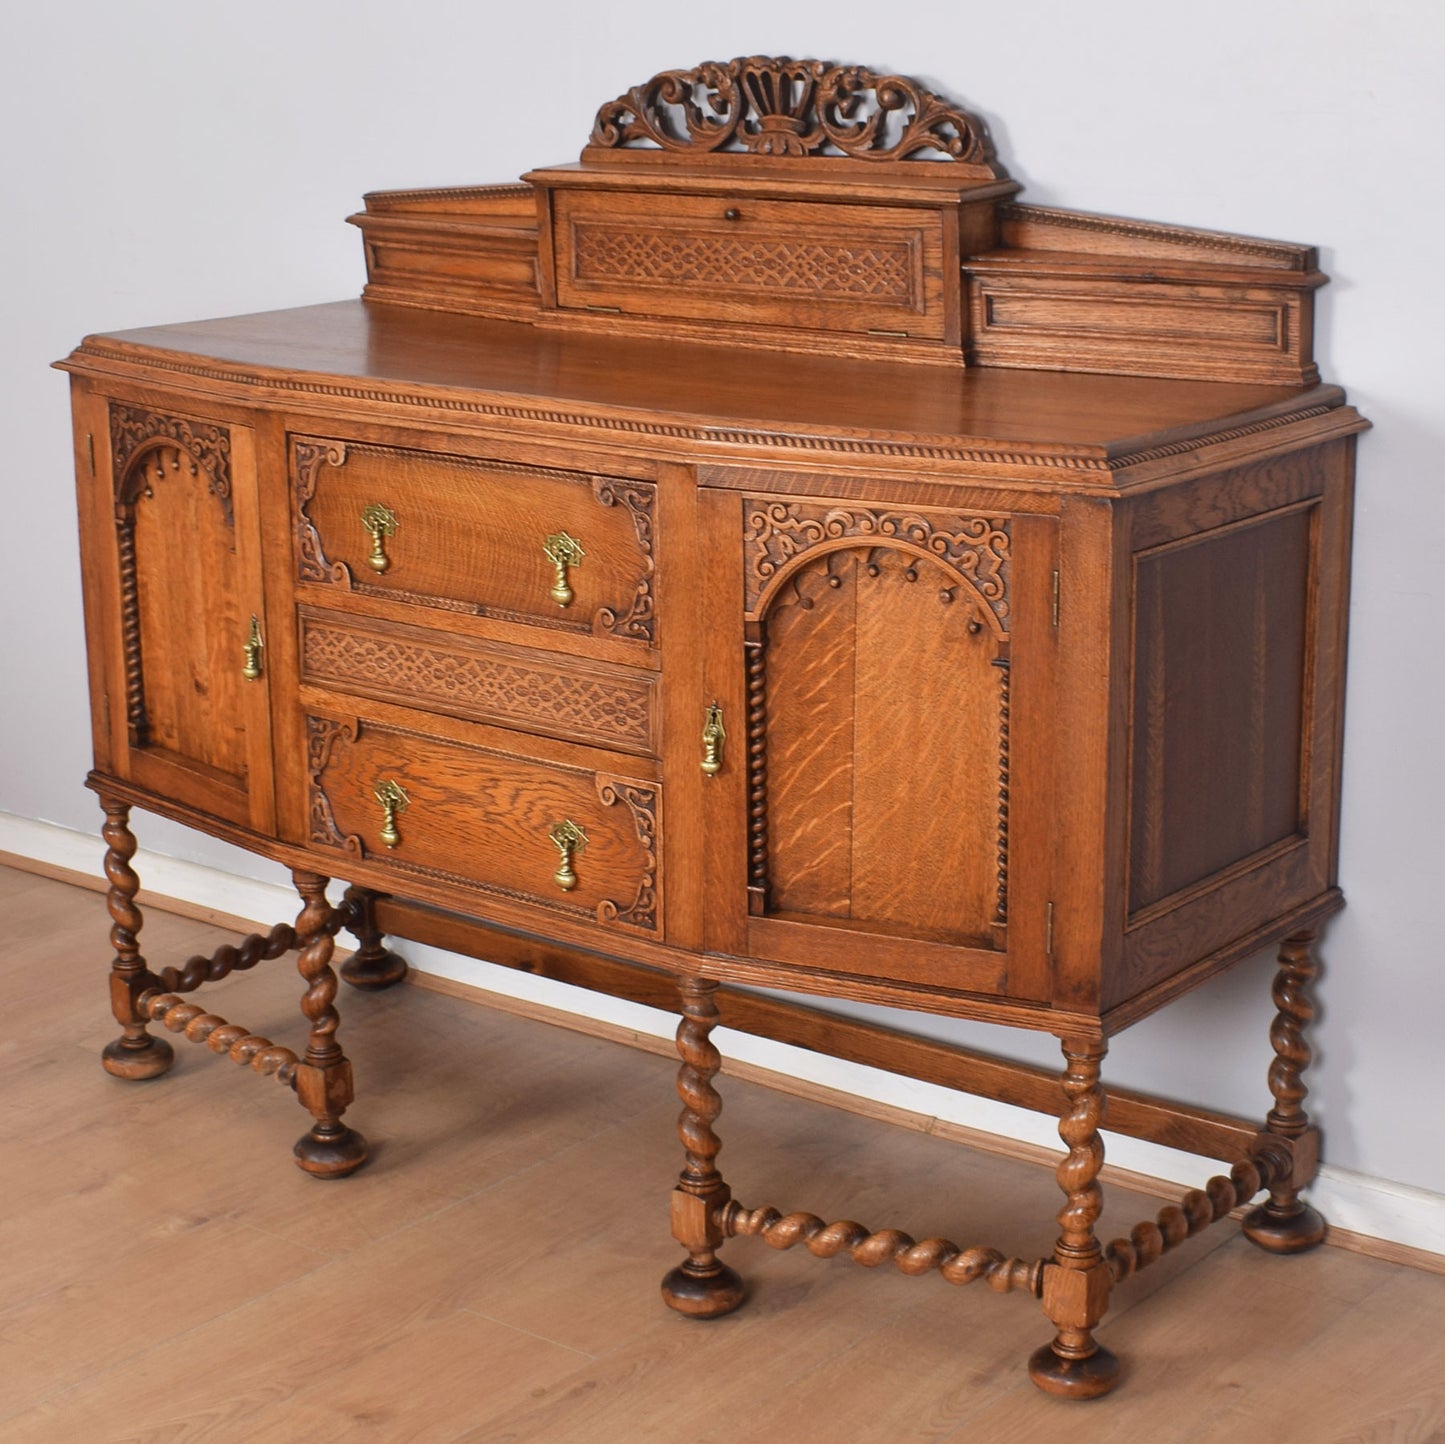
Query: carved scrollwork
[321, 736]
[641, 802]
[976, 549]
[207, 448]
[774, 106]
[639, 620]
[307, 459]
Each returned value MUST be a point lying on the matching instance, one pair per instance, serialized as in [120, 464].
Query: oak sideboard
[764, 553]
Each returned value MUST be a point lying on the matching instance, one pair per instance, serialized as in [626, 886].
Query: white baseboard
[1374, 1208]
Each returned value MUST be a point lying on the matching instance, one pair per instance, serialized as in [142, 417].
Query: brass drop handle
[380, 521]
[712, 741]
[563, 552]
[393, 799]
[569, 840]
[251, 666]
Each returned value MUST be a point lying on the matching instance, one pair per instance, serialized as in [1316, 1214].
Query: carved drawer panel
[480, 681]
[568, 839]
[557, 549]
[783, 263]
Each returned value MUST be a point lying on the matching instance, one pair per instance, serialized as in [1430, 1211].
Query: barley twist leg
[1076, 1284]
[372, 965]
[323, 1076]
[135, 1054]
[1285, 1223]
[702, 1286]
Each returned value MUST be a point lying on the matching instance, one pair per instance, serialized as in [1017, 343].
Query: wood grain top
[700, 393]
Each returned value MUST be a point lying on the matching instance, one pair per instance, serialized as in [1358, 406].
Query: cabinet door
[172, 566]
[885, 678]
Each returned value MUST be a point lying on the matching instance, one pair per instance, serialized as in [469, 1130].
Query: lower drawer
[566, 838]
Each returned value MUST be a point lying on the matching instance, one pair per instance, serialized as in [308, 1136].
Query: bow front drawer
[569, 839]
[556, 549]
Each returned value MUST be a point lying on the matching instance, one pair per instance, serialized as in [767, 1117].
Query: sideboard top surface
[695, 392]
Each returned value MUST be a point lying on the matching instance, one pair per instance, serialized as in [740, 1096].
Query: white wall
[166, 160]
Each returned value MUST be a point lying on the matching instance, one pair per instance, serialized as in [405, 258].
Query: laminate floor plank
[492, 1274]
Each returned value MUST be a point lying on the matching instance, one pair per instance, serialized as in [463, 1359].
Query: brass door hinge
[1049, 931]
[1056, 599]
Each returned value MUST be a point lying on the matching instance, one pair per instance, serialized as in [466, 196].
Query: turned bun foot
[1087, 1378]
[1284, 1230]
[153, 1058]
[375, 970]
[702, 1293]
[331, 1154]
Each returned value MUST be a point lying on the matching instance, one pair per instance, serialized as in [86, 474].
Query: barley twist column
[1285, 1223]
[702, 1286]
[135, 1054]
[1076, 1283]
[323, 1077]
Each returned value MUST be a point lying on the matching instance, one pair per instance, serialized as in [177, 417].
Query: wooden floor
[166, 1273]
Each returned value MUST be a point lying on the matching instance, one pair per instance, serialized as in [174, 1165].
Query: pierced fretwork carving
[975, 549]
[765, 105]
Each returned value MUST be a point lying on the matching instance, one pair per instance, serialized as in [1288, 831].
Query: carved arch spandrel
[307, 459]
[642, 801]
[780, 536]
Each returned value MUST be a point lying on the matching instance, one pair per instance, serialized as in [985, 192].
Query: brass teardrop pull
[563, 552]
[569, 840]
[393, 799]
[251, 652]
[380, 521]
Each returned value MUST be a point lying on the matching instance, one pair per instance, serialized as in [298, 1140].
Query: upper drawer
[558, 549]
[778, 263]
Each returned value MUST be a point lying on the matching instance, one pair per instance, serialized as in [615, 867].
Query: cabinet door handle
[712, 741]
[563, 551]
[394, 801]
[569, 840]
[380, 521]
[251, 651]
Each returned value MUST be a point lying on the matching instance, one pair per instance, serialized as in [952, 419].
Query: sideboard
[763, 553]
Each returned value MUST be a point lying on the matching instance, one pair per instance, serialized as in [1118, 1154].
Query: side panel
[1237, 660]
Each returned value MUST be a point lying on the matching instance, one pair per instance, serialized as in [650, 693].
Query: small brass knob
[380, 521]
[569, 840]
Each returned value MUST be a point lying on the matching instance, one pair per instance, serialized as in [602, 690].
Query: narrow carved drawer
[479, 681]
[570, 839]
[558, 549]
[782, 263]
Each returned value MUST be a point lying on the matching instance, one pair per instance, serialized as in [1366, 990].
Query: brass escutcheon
[569, 840]
[251, 666]
[562, 551]
[712, 741]
[380, 521]
[393, 799]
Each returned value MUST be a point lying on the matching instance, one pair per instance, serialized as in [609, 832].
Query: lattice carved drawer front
[480, 681]
[781, 263]
[568, 839]
[556, 549]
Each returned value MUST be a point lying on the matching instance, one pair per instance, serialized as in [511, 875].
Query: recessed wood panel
[884, 795]
[834, 267]
[1220, 643]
